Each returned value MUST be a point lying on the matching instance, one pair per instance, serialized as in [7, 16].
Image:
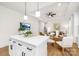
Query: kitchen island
[28, 46]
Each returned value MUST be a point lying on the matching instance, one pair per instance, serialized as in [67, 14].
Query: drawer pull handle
[29, 49]
[11, 47]
[23, 54]
[10, 40]
[14, 42]
[19, 44]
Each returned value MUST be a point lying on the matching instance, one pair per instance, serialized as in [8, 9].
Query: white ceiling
[20, 6]
[63, 12]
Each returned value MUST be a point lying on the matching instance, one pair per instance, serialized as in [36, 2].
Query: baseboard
[4, 44]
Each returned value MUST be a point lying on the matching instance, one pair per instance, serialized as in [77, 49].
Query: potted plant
[28, 33]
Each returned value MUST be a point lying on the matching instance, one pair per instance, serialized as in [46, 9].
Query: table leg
[62, 50]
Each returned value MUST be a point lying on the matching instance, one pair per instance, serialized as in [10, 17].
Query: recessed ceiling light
[59, 4]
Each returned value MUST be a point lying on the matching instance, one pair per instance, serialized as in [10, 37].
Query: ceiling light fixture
[51, 14]
[37, 12]
[25, 16]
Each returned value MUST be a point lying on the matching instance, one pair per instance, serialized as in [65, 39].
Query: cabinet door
[30, 50]
[23, 49]
[27, 50]
[15, 48]
[10, 47]
[20, 49]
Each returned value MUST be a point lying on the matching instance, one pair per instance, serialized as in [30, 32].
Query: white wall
[50, 26]
[9, 24]
[41, 24]
[34, 24]
[76, 25]
[70, 28]
[64, 27]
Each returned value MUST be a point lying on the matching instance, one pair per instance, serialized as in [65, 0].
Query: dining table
[56, 39]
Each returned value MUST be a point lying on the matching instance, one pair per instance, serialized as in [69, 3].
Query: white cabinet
[10, 47]
[25, 48]
[29, 50]
[14, 48]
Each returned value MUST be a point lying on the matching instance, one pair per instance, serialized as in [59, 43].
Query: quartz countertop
[35, 40]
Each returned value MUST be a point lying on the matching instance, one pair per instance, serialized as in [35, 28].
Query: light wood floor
[4, 51]
[57, 51]
[52, 51]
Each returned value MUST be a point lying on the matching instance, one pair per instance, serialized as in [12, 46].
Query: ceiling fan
[51, 14]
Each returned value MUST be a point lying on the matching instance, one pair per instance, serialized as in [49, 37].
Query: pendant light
[25, 16]
[37, 12]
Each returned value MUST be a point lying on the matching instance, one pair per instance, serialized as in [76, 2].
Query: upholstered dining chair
[50, 40]
[66, 42]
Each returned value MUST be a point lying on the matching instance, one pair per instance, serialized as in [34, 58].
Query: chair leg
[54, 44]
[62, 50]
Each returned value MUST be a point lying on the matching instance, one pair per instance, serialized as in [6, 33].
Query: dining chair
[50, 40]
[67, 42]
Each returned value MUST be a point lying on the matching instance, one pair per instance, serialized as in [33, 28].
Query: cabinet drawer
[30, 47]
[21, 48]
[28, 50]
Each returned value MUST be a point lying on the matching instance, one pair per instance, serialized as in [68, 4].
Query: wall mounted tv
[25, 26]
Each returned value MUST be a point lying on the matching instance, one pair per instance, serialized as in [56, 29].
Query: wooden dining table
[56, 39]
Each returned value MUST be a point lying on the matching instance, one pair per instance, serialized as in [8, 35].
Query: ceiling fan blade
[54, 13]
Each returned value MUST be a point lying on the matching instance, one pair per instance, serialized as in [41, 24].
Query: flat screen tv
[25, 26]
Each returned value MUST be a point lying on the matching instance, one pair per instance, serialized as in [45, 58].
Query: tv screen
[25, 26]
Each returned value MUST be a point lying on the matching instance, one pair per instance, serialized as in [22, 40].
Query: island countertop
[35, 40]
